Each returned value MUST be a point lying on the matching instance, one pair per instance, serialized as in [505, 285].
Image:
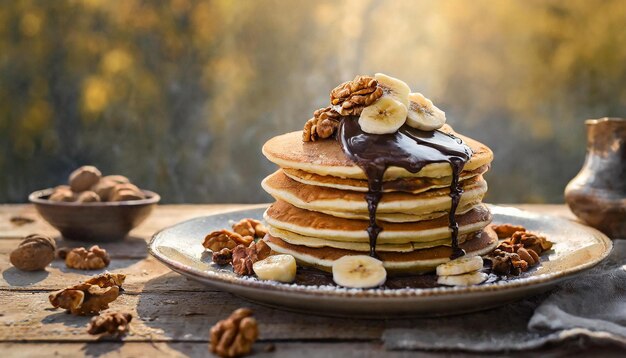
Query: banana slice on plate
[466, 279]
[359, 271]
[423, 114]
[394, 88]
[384, 116]
[280, 268]
[461, 265]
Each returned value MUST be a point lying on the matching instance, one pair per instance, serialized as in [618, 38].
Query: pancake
[318, 198]
[418, 261]
[409, 185]
[285, 216]
[297, 239]
[326, 157]
[401, 217]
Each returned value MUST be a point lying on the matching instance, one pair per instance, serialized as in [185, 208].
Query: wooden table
[171, 315]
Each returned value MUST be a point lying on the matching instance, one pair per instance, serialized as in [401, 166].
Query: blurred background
[180, 95]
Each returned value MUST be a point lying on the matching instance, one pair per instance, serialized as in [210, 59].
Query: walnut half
[349, 98]
[245, 257]
[234, 336]
[250, 227]
[324, 124]
[219, 239]
[113, 323]
[93, 259]
[91, 296]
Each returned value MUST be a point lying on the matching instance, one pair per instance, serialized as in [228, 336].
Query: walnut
[511, 257]
[506, 230]
[518, 251]
[263, 250]
[245, 257]
[113, 323]
[84, 178]
[530, 256]
[107, 280]
[505, 263]
[250, 227]
[91, 296]
[33, 253]
[531, 241]
[125, 192]
[234, 336]
[323, 125]
[88, 197]
[93, 259]
[105, 186]
[222, 257]
[62, 193]
[349, 98]
[219, 239]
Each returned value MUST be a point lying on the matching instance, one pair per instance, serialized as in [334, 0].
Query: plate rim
[244, 282]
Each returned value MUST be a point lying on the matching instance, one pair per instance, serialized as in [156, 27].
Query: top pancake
[326, 157]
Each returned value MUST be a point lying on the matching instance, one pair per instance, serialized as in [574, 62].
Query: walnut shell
[84, 178]
[119, 179]
[34, 253]
[126, 191]
[104, 188]
[62, 193]
[88, 197]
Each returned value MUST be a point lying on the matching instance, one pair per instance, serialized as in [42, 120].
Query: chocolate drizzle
[408, 148]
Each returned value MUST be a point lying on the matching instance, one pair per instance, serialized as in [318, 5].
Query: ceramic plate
[577, 248]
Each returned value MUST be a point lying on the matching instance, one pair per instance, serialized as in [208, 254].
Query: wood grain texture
[171, 314]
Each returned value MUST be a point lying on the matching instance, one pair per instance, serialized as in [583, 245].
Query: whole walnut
[62, 193]
[88, 197]
[105, 186]
[34, 253]
[126, 191]
[84, 178]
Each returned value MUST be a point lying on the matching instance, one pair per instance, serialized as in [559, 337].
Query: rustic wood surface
[172, 315]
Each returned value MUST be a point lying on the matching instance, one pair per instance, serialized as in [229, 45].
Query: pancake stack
[377, 173]
[320, 213]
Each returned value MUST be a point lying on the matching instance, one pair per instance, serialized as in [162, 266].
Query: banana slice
[359, 271]
[423, 114]
[464, 264]
[394, 88]
[384, 116]
[467, 279]
[280, 268]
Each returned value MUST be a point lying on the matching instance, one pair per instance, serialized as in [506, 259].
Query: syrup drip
[410, 149]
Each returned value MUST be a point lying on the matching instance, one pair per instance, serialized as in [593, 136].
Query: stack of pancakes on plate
[321, 214]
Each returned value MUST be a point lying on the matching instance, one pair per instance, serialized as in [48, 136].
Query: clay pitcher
[597, 195]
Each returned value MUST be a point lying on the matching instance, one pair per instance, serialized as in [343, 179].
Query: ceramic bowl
[102, 221]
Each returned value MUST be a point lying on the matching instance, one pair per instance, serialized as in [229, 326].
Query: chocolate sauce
[408, 148]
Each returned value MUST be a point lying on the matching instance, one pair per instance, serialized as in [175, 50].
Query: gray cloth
[591, 307]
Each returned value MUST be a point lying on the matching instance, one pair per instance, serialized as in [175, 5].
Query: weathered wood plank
[147, 275]
[160, 349]
[109, 349]
[175, 316]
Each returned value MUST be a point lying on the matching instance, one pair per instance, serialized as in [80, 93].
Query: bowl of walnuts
[92, 207]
